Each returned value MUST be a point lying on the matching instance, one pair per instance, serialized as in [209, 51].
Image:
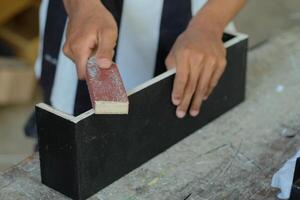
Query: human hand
[91, 28]
[200, 59]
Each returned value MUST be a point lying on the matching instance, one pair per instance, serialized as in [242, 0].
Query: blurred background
[19, 91]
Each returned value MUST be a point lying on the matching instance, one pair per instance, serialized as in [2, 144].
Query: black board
[295, 190]
[81, 155]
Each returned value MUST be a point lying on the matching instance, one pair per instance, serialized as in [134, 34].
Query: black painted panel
[57, 150]
[110, 146]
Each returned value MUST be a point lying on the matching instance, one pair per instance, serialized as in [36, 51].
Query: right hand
[91, 28]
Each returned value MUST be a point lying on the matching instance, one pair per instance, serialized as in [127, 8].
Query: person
[145, 38]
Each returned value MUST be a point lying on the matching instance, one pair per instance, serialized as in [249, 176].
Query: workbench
[234, 157]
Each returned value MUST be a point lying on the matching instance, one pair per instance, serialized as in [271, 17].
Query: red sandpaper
[106, 89]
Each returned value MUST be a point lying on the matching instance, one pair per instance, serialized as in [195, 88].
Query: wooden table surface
[233, 157]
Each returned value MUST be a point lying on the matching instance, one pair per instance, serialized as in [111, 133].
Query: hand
[91, 28]
[200, 59]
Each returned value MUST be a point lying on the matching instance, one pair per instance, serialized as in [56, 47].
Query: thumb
[105, 51]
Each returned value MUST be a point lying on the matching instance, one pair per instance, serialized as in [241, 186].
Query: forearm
[216, 14]
[77, 5]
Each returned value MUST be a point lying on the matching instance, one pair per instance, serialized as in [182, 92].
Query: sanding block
[106, 89]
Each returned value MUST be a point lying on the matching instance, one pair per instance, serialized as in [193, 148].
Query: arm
[199, 55]
[91, 28]
[216, 14]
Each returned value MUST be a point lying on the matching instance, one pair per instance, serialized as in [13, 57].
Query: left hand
[200, 59]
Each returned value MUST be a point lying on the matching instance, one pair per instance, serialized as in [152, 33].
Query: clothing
[147, 31]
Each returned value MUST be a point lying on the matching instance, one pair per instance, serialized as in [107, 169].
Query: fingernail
[180, 114]
[205, 98]
[176, 101]
[194, 113]
[104, 63]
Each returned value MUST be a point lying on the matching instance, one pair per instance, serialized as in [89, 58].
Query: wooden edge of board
[238, 37]
[111, 107]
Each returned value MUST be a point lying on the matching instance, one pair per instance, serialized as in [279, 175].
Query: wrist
[208, 23]
[78, 6]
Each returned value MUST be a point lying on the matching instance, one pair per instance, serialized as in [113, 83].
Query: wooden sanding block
[106, 89]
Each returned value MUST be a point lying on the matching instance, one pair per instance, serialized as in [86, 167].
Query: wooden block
[25, 48]
[106, 89]
[21, 33]
[17, 81]
[10, 8]
[83, 154]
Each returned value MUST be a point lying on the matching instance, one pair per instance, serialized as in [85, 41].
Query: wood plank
[21, 32]
[9, 8]
[25, 48]
[102, 148]
[106, 89]
[17, 81]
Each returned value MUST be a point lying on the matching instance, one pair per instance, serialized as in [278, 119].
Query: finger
[197, 102]
[201, 87]
[81, 51]
[81, 61]
[170, 61]
[196, 69]
[105, 52]
[188, 94]
[216, 77]
[67, 51]
[181, 78]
